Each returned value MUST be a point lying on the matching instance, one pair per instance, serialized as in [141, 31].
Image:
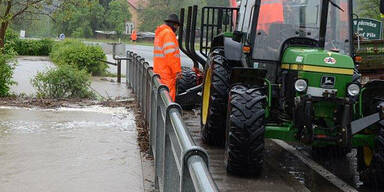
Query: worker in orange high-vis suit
[134, 36]
[166, 54]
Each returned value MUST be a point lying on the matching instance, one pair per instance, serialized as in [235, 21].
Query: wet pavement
[69, 149]
[108, 88]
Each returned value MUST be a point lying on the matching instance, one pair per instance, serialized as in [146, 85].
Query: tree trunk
[3, 29]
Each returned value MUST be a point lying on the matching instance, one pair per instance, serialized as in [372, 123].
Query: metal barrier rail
[118, 64]
[180, 165]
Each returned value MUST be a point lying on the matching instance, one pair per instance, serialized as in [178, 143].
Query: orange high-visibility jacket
[134, 35]
[166, 57]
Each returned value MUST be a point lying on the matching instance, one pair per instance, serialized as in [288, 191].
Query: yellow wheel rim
[206, 95]
[368, 156]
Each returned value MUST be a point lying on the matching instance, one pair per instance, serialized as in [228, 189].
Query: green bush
[33, 47]
[6, 72]
[63, 82]
[13, 44]
[11, 37]
[76, 53]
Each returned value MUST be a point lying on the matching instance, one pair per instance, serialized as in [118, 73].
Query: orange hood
[161, 28]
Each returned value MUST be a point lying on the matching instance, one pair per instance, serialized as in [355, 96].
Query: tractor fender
[217, 41]
[232, 49]
[374, 84]
[371, 96]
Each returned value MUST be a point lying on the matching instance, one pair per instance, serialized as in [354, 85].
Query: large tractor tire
[371, 161]
[188, 80]
[215, 98]
[245, 131]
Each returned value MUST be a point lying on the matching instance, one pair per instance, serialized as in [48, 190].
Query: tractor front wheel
[245, 131]
[214, 98]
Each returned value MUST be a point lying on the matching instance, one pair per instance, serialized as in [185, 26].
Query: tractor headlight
[301, 85]
[353, 89]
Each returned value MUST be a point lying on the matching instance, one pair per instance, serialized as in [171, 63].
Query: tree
[82, 18]
[117, 15]
[104, 3]
[369, 8]
[12, 9]
[157, 10]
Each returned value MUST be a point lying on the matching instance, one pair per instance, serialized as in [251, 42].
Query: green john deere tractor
[284, 70]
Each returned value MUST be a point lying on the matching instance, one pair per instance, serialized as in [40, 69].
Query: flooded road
[26, 69]
[69, 149]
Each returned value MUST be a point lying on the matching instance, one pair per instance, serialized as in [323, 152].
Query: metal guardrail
[180, 165]
[118, 64]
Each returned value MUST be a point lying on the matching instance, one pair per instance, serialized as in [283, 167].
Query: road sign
[22, 34]
[368, 28]
[62, 36]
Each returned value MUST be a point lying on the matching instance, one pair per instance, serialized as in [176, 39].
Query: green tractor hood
[317, 60]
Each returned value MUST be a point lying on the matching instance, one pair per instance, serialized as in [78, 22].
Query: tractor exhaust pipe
[181, 32]
[193, 38]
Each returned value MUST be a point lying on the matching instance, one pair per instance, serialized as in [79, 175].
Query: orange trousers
[171, 84]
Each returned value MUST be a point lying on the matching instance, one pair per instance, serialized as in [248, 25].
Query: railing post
[160, 140]
[140, 89]
[186, 182]
[127, 69]
[154, 105]
[171, 173]
[134, 72]
[130, 69]
[148, 96]
[119, 71]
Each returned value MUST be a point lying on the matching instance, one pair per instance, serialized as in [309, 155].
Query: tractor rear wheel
[215, 98]
[245, 131]
[188, 80]
[371, 161]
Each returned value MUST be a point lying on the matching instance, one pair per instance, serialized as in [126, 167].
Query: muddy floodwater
[69, 149]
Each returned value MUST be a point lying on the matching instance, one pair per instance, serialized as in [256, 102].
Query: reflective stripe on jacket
[166, 57]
